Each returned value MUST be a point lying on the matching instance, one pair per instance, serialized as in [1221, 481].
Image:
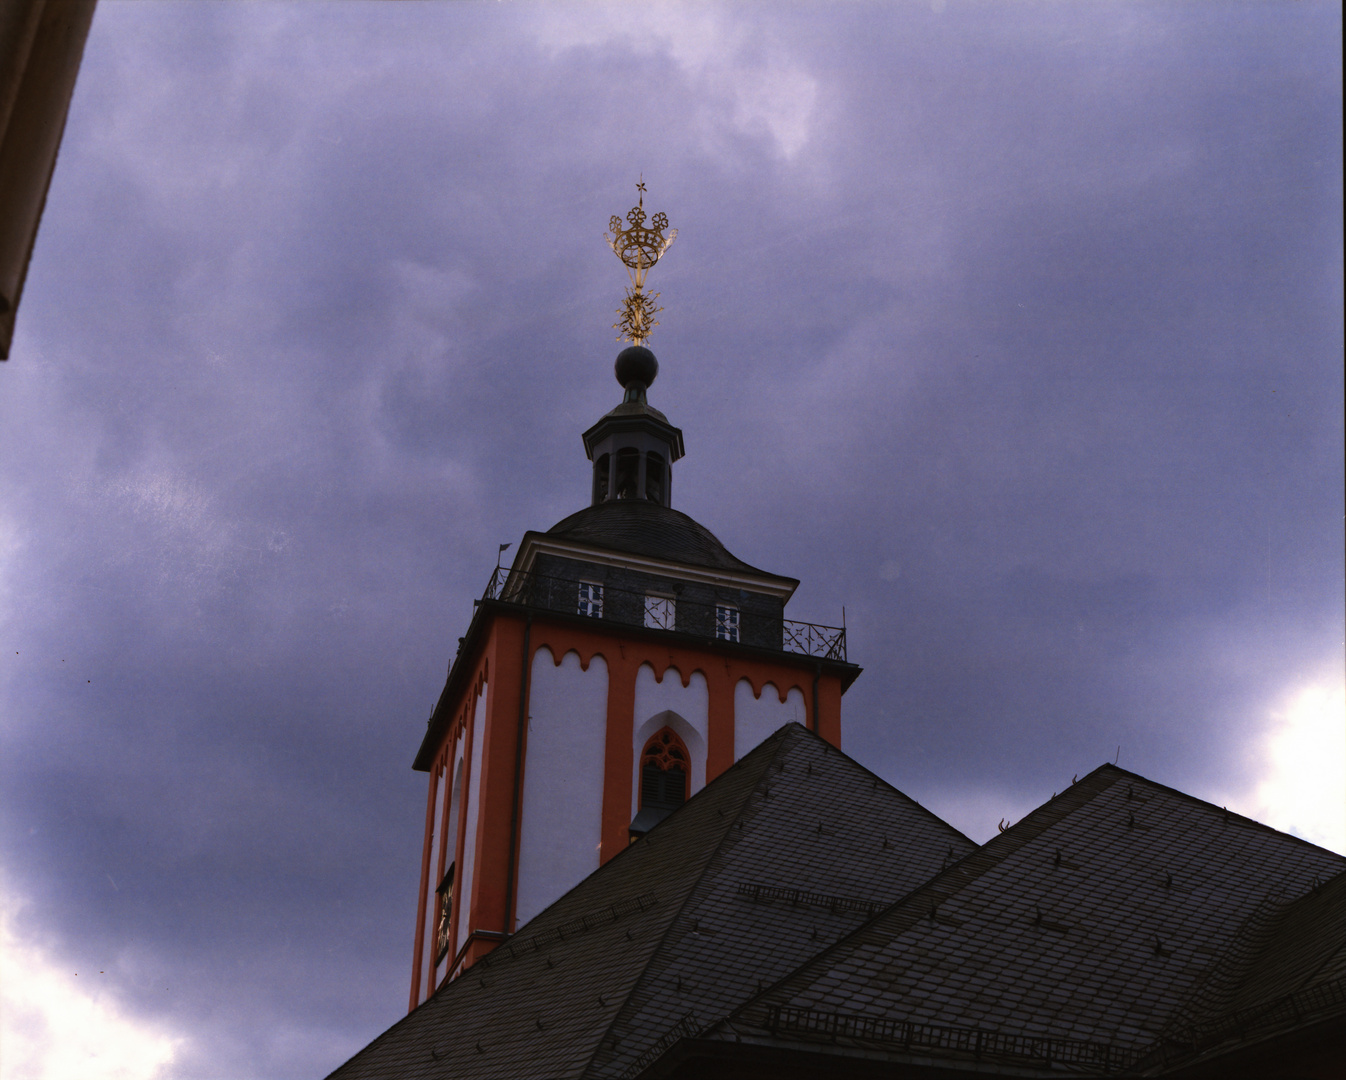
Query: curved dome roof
[641, 527]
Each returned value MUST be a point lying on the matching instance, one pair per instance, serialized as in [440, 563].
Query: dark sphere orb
[636, 364]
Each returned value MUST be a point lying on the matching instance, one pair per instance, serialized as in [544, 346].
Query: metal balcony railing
[630, 607]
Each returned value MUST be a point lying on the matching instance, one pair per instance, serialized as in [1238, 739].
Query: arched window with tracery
[665, 775]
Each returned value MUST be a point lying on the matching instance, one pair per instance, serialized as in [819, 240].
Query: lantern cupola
[634, 446]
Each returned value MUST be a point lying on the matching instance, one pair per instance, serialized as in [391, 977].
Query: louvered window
[628, 473]
[662, 789]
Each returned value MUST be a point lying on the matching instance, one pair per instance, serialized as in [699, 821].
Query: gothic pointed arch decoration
[666, 751]
[665, 780]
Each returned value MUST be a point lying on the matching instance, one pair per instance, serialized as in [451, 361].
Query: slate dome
[642, 527]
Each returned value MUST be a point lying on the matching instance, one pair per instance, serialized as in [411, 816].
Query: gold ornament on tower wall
[639, 247]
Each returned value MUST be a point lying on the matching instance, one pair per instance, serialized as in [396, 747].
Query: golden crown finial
[639, 247]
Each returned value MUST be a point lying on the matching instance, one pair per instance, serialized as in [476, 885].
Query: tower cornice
[535, 544]
[635, 417]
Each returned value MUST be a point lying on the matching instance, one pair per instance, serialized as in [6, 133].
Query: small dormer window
[726, 622]
[660, 612]
[591, 599]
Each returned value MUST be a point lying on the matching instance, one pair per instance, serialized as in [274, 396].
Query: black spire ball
[636, 364]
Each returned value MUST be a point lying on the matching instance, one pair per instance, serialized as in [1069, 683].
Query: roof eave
[459, 672]
[537, 543]
[641, 422]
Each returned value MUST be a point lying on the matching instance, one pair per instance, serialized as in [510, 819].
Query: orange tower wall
[502, 660]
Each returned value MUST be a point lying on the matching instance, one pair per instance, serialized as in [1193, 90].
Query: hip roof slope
[819, 845]
[1091, 920]
[538, 1005]
[641, 527]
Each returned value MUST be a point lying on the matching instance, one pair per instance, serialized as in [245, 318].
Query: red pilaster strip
[460, 840]
[829, 709]
[720, 683]
[420, 902]
[618, 753]
[495, 785]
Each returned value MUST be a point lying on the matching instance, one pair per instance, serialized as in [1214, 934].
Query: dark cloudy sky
[1014, 329]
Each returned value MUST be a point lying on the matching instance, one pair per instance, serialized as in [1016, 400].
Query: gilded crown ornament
[639, 247]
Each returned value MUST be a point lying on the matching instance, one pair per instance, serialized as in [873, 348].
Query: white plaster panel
[471, 795]
[755, 718]
[562, 823]
[455, 803]
[428, 933]
[690, 709]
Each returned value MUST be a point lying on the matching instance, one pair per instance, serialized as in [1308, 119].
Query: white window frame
[726, 622]
[661, 611]
[591, 599]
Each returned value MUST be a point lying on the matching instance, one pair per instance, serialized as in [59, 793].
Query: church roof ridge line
[1230, 815]
[516, 945]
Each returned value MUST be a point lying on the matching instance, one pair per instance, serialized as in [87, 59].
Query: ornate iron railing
[814, 640]
[656, 612]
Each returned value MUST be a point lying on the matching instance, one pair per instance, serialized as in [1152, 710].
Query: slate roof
[1286, 966]
[1306, 948]
[1096, 923]
[792, 848]
[801, 910]
[642, 527]
[819, 845]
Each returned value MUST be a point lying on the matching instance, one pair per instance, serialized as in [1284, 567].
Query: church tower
[625, 660]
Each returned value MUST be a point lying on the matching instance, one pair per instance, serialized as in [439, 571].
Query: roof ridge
[1188, 797]
[780, 738]
[914, 802]
[959, 874]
